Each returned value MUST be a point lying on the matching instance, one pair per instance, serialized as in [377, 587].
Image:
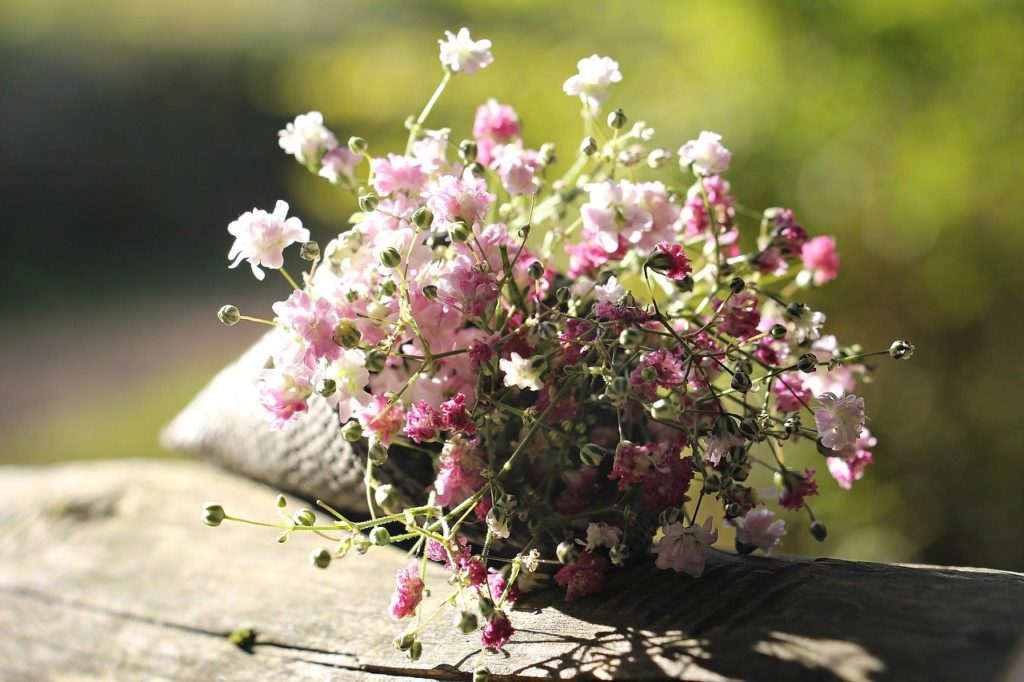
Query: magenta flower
[459, 474]
[820, 257]
[494, 124]
[409, 592]
[583, 577]
[422, 422]
[678, 265]
[455, 417]
[497, 632]
[797, 487]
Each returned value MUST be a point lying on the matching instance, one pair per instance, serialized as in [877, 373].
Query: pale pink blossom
[283, 395]
[339, 164]
[397, 174]
[717, 446]
[820, 258]
[461, 54]
[467, 288]
[347, 370]
[601, 535]
[409, 592]
[839, 420]
[261, 238]
[613, 216]
[706, 154]
[381, 418]
[591, 82]
[760, 528]
[458, 477]
[685, 549]
[848, 464]
[494, 124]
[451, 199]
[306, 138]
[314, 321]
[517, 168]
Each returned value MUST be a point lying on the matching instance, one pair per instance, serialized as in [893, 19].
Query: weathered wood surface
[106, 572]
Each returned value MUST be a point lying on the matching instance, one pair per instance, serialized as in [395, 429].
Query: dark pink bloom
[789, 391]
[436, 552]
[422, 422]
[408, 594]
[581, 484]
[632, 464]
[496, 582]
[740, 315]
[631, 315]
[790, 233]
[668, 372]
[481, 350]
[798, 486]
[384, 425]
[475, 572]
[666, 485]
[495, 123]
[678, 264]
[455, 417]
[819, 255]
[583, 577]
[497, 632]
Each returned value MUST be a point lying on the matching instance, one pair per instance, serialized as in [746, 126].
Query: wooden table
[106, 572]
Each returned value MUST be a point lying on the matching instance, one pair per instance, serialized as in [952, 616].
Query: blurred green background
[132, 132]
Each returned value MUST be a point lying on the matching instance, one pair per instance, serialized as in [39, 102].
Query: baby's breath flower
[462, 54]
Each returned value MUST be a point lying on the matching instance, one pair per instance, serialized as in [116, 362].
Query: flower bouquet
[574, 365]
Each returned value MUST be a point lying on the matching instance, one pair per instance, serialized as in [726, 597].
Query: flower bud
[486, 607]
[386, 497]
[795, 311]
[375, 360]
[482, 675]
[388, 287]
[309, 251]
[415, 651]
[423, 218]
[566, 552]
[229, 315]
[377, 454]
[404, 642]
[669, 516]
[819, 531]
[352, 431]
[563, 294]
[283, 537]
[357, 145]
[777, 332]
[380, 536]
[213, 514]
[466, 622]
[616, 119]
[792, 425]
[733, 510]
[588, 147]
[741, 382]
[539, 364]
[368, 202]
[712, 483]
[459, 231]
[749, 428]
[649, 373]
[476, 169]
[346, 333]
[663, 409]
[685, 284]
[807, 363]
[901, 350]
[467, 151]
[390, 258]
[536, 270]
[361, 544]
[430, 292]
[592, 454]
[321, 558]
[619, 554]
[281, 502]
[548, 155]
[497, 522]
[659, 260]
[617, 390]
[304, 517]
[631, 338]
[736, 285]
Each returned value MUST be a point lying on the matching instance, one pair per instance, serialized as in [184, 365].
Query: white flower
[338, 164]
[307, 139]
[350, 375]
[807, 325]
[261, 238]
[839, 420]
[610, 292]
[591, 83]
[462, 54]
[760, 528]
[601, 535]
[519, 371]
[716, 447]
[706, 154]
[684, 549]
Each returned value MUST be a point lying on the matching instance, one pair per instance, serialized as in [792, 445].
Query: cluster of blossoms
[573, 416]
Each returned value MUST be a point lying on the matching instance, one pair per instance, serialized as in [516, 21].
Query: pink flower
[798, 486]
[740, 315]
[462, 54]
[465, 287]
[820, 257]
[459, 474]
[601, 535]
[695, 213]
[314, 321]
[451, 199]
[409, 593]
[717, 446]
[790, 393]
[517, 168]
[496, 583]
[497, 632]
[261, 238]
[848, 465]
[760, 529]
[307, 138]
[632, 464]
[677, 264]
[494, 124]
[666, 484]
[339, 163]
[667, 371]
[383, 425]
[455, 417]
[706, 154]
[583, 577]
[614, 215]
[839, 420]
[397, 174]
[283, 395]
[685, 549]
[790, 234]
[422, 422]
[591, 83]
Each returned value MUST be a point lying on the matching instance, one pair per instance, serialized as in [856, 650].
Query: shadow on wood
[107, 571]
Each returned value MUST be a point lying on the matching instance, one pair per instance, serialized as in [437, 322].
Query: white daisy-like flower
[591, 83]
[520, 371]
[307, 138]
[462, 54]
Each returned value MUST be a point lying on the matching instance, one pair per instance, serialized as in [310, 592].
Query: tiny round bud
[563, 294]
[777, 332]
[390, 258]
[901, 350]
[669, 516]
[430, 292]
[423, 218]
[352, 431]
[357, 145]
[467, 151]
[736, 285]
[466, 622]
[304, 517]
[536, 270]
[415, 651]
[486, 607]
[548, 155]
[819, 531]
[213, 514]
[282, 537]
[229, 315]
[749, 428]
[741, 382]
[649, 373]
[404, 642]
[477, 169]
[377, 454]
[281, 502]
[547, 330]
[459, 231]
[385, 496]
[619, 554]
[326, 387]
[309, 251]
[659, 260]
[566, 552]
[539, 364]
[388, 287]
[346, 333]
[663, 409]
[375, 360]
[321, 558]
[616, 119]
[792, 425]
[630, 338]
[592, 454]
[807, 363]
[368, 202]
[712, 483]
[588, 147]
[685, 284]
[795, 311]
[482, 675]
[380, 536]
[733, 510]
[617, 390]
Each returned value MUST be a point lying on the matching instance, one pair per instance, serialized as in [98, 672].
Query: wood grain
[107, 573]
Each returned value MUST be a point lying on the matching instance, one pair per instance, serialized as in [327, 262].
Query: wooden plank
[106, 572]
